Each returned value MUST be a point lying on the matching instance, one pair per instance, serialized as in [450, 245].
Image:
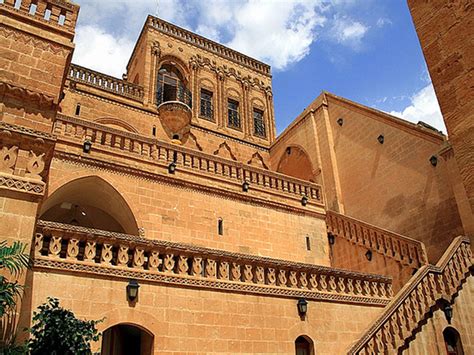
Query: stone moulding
[41, 100]
[5, 126]
[407, 251]
[189, 160]
[20, 184]
[72, 248]
[413, 303]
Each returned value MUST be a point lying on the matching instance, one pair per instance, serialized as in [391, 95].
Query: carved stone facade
[163, 178]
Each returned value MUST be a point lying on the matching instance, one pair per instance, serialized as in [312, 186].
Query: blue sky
[365, 50]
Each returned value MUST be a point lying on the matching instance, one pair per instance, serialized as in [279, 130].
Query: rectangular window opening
[33, 8]
[206, 104]
[47, 14]
[220, 226]
[61, 19]
[308, 243]
[78, 109]
[17, 4]
[233, 113]
[258, 123]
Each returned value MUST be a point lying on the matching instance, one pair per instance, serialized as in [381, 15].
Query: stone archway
[90, 202]
[127, 339]
[296, 162]
[304, 345]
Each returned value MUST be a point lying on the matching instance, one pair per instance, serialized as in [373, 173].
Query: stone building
[347, 233]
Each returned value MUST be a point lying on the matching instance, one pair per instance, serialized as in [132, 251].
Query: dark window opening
[220, 226]
[303, 346]
[206, 104]
[153, 131]
[452, 341]
[233, 113]
[308, 243]
[172, 86]
[78, 109]
[258, 123]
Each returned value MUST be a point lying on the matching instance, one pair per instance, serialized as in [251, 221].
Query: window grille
[258, 123]
[233, 114]
[206, 104]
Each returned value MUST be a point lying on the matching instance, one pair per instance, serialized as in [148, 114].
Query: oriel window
[206, 105]
[258, 123]
[233, 114]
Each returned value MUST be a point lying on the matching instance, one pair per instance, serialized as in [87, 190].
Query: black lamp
[448, 312]
[172, 167]
[132, 290]
[86, 147]
[368, 255]
[302, 306]
[340, 121]
[434, 160]
[331, 238]
[304, 200]
[381, 139]
[245, 186]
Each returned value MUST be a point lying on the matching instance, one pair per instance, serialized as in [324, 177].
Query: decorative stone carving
[35, 165]
[72, 249]
[106, 255]
[138, 258]
[55, 246]
[8, 158]
[122, 256]
[154, 261]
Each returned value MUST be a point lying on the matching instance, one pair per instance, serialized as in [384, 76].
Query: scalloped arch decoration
[116, 123]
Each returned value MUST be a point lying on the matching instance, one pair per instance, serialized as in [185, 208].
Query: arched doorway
[304, 345]
[90, 202]
[126, 339]
[296, 162]
[452, 340]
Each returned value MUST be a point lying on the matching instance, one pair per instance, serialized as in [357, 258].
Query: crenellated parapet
[77, 249]
[416, 299]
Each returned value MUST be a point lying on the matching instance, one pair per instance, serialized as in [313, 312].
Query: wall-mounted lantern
[172, 167]
[448, 312]
[381, 139]
[304, 200]
[368, 255]
[302, 306]
[245, 186]
[331, 238]
[86, 147]
[434, 160]
[132, 290]
[340, 121]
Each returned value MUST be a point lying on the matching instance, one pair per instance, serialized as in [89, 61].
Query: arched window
[304, 345]
[452, 340]
[172, 86]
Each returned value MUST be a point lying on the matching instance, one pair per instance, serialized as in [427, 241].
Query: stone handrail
[105, 82]
[410, 306]
[405, 250]
[89, 250]
[199, 41]
[185, 158]
[58, 13]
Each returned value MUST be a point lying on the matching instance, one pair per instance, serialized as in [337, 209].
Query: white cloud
[98, 50]
[348, 32]
[423, 107]
[383, 21]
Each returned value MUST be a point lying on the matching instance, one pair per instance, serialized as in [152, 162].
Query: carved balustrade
[61, 246]
[105, 82]
[58, 13]
[414, 301]
[405, 250]
[184, 158]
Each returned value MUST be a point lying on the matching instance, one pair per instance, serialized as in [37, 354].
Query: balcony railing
[186, 159]
[407, 251]
[173, 94]
[105, 82]
[79, 249]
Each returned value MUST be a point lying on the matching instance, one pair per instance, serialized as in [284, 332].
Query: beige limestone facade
[173, 178]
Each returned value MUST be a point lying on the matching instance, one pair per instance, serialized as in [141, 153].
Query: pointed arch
[304, 345]
[90, 202]
[225, 151]
[296, 162]
[257, 160]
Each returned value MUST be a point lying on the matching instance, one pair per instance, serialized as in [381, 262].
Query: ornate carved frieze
[189, 265]
[35, 98]
[25, 155]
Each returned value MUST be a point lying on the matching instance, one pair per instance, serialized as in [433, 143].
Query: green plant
[56, 331]
[14, 259]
